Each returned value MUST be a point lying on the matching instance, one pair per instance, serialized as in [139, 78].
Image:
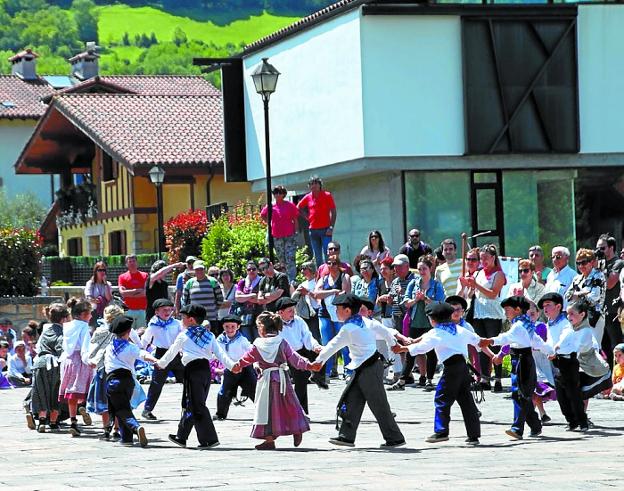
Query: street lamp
[265, 79]
[157, 176]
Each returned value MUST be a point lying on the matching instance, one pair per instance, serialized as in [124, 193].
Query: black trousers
[488, 328]
[246, 380]
[300, 379]
[119, 388]
[568, 387]
[366, 387]
[454, 385]
[410, 360]
[313, 324]
[194, 411]
[612, 336]
[523, 382]
[159, 378]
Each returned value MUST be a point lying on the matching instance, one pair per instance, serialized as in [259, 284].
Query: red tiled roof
[163, 84]
[23, 53]
[143, 130]
[21, 99]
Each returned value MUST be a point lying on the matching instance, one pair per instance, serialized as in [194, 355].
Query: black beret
[194, 310]
[516, 301]
[551, 296]
[121, 324]
[370, 305]
[348, 300]
[231, 318]
[439, 311]
[162, 302]
[284, 303]
[458, 300]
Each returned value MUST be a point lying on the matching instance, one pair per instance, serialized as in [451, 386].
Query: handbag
[407, 320]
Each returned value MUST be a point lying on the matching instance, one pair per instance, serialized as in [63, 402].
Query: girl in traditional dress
[277, 411]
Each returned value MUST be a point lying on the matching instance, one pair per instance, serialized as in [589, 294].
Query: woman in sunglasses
[589, 285]
[528, 286]
[98, 291]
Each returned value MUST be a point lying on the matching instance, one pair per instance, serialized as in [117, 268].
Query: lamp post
[265, 79]
[157, 176]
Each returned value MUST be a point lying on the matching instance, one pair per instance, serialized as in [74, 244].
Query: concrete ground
[557, 460]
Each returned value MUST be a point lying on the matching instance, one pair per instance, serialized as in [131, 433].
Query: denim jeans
[319, 241]
[329, 329]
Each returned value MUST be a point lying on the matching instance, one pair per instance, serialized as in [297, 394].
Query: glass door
[487, 209]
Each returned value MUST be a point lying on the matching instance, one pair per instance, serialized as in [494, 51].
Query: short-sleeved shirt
[132, 282]
[414, 253]
[269, 285]
[284, 219]
[318, 208]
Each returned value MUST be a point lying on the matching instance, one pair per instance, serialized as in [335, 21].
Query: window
[74, 247]
[117, 243]
[110, 168]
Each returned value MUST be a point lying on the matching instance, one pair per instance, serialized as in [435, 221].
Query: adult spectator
[205, 291]
[307, 304]
[321, 215]
[376, 249]
[403, 276]
[213, 272]
[528, 286]
[7, 332]
[414, 248]
[181, 280]
[333, 249]
[448, 273]
[273, 286]
[536, 254]
[612, 267]
[465, 291]
[156, 285]
[384, 302]
[589, 285]
[247, 306]
[367, 283]
[132, 289]
[98, 291]
[228, 288]
[561, 276]
[284, 229]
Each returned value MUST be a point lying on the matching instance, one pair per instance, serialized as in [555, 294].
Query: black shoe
[498, 386]
[485, 385]
[422, 381]
[179, 442]
[437, 437]
[472, 441]
[148, 415]
[319, 379]
[429, 386]
[535, 434]
[55, 426]
[333, 374]
[74, 430]
[396, 444]
[583, 428]
[571, 427]
[546, 419]
[208, 446]
[216, 417]
[116, 435]
[41, 428]
[342, 442]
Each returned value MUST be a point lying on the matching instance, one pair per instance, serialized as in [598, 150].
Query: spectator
[273, 286]
[156, 286]
[561, 276]
[528, 286]
[321, 216]
[414, 248]
[98, 291]
[307, 304]
[132, 289]
[403, 276]
[448, 273]
[617, 377]
[246, 297]
[228, 288]
[367, 284]
[536, 254]
[181, 280]
[19, 371]
[205, 291]
[284, 229]
[29, 336]
[376, 249]
[333, 249]
[385, 311]
[7, 332]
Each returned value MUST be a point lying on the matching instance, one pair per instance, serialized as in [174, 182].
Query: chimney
[23, 64]
[85, 64]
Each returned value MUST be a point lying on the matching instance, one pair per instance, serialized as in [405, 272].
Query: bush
[184, 233]
[20, 255]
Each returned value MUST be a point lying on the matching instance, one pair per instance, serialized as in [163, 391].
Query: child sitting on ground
[617, 391]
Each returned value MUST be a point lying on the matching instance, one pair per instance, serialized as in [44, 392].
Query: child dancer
[75, 369]
[119, 359]
[235, 345]
[617, 391]
[522, 340]
[197, 345]
[278, 412]
[161, 332]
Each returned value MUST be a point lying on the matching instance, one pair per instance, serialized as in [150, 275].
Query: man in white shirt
[366, 384]
[561, 276]
[448, 273]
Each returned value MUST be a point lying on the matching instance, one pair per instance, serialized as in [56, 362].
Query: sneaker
[148, 415]
[498, 386]
[30, 422]
[341, 442]
[429, 386]
[397, 386]
[388, 445]
[74, 430]
[535, 434]
[208, 446]
[583, 428]
[571, 427]
[422, 381]
[546, 419]
[86, 417]
[142, 437]
[391, 381]
[42, 425]
[178, 441]
[472, 441]
[513, 434]
[437, 437]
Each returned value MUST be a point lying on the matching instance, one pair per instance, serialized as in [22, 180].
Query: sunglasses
[583, 262]
[414, 236]
[458, 309]
[333, 248]
[101, 271]
[472, 259]
[525, 270]
[252, 269]
[365, 268]
[332, 263]
[556, 256]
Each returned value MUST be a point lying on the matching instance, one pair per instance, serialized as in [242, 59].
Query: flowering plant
[20, 255]
[184, 234]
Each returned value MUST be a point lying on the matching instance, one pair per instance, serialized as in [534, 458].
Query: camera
[599, 253]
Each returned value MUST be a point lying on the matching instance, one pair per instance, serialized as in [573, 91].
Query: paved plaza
[558, 460]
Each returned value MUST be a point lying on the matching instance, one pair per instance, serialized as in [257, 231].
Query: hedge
[20, 256]
[143, 260]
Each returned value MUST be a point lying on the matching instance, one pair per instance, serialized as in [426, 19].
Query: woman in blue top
[420, 292]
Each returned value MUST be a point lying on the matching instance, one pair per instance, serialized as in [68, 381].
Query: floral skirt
[75, 378]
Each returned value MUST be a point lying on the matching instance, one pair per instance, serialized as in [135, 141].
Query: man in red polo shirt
[132, 289]
[321, 214]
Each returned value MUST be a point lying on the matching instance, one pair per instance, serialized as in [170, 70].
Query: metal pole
[159, 199]
[268, 178]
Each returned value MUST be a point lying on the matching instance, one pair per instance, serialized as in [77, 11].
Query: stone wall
[23, 309]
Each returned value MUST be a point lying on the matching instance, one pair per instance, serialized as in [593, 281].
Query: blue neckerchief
[119, 345]
[158, 322]
[223, 339]
[527, 323]
[449, 327]
[199, 335]
[558, 319]
[356, 319]
[462, 322]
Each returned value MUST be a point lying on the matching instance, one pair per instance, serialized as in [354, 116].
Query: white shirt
[124, 360]
[444, 343]
[382, 332]
[361, 341]
[17, 367]
[191, 351]
[448, 275]
[298, 334]
[559, 282]
[555, 330]
[236, 347]
[161, 337]
[573, 341]
[76, 337]
[518, 337]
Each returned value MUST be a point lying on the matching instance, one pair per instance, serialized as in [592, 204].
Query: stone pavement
[558, 460]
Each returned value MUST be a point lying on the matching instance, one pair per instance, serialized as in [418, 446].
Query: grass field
[114, 20]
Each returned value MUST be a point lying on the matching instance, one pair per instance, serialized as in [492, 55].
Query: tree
[179, 36]
[125, 40]
[153, 39]
[86, 19]
[22, 211]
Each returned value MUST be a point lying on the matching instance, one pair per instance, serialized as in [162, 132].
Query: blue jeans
[319, 241]
[329, 329]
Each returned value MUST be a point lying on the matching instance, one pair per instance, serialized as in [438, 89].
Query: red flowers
[184, 233]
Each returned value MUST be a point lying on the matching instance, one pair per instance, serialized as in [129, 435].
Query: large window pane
[486, 209]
